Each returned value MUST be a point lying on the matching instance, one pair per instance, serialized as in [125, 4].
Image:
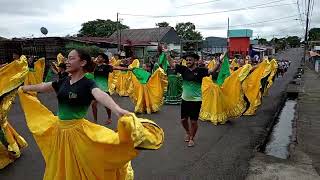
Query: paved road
[221, 152]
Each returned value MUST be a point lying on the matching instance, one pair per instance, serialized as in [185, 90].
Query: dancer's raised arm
[43, 87]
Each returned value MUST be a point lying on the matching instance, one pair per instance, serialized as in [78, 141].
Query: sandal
[109, 121]
[190, 143]
[187, 138]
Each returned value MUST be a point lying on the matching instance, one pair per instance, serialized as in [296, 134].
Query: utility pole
[306, 34]
[118, 34]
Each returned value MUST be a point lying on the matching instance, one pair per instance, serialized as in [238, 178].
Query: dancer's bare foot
[109, 121]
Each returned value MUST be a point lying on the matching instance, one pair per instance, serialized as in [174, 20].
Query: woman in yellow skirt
[221, 103]
[36, 71]
[147, 91]
[124, 77]
[74, 148]
[11, 142]
[271, 78]
[112, 80]
[252, 86]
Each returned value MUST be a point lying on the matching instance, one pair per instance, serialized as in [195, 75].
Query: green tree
[314, 34]
[187, 31]
[279, 43]
[293, 41]
[100, 28]
[262, 41]
[162, 24]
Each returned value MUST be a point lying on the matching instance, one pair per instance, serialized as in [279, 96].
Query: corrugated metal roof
[92, 39]
[141, 36]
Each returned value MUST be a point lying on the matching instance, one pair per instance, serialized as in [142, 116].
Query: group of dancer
[74, 148]
[217, 91]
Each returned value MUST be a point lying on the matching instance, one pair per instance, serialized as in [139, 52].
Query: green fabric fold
[141, 74]
[163, 62]
[224, 71]
[49, 76]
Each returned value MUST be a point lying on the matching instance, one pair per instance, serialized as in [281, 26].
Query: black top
[31, 65]
[192, 75]
[63, 75]
[103, 70]
[73, 100]
[171, 71]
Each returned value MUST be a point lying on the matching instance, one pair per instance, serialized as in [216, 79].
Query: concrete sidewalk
[304, 160]
[308, 123]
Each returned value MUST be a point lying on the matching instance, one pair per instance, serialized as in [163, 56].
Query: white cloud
[25, 17]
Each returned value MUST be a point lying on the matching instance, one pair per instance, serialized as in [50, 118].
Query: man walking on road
[191, 93]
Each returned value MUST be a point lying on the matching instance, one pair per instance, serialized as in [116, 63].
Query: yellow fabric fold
[13, 75]
[79, 149]
[211, 64]
[135, 64]
[149, 97]
[60, 59]
[10, 150]
[184, 62]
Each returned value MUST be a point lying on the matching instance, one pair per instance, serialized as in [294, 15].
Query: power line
[311, 12]
[300, 15]
[249, 24]
[299, 10]
[207, 2]
[259, 6]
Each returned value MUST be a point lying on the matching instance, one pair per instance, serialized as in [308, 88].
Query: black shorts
[190, 109]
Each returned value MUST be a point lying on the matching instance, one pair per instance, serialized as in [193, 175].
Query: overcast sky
[23, 18]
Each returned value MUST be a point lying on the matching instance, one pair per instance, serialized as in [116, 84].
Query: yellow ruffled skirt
[79, 149]
[221, 103]
[123, 82]
[251, 87]
[112, 81]
[274, 68]
[11, 143]
[149, 97]
[213, 106]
